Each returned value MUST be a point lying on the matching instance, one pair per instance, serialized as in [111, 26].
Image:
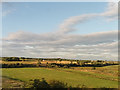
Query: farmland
[77, 75]
[91, 79]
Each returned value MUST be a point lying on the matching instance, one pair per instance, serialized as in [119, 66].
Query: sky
[79, 30]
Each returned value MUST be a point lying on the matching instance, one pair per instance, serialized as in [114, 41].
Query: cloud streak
[68, 24]
[111, 13]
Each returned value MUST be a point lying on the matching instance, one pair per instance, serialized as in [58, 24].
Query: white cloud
[69, 46]
[68, 24]
[112, 11]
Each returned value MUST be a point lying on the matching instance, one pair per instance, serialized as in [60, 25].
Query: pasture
[76, 76]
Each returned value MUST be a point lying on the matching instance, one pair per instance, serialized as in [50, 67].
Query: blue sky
[39, 17]
[84, 30]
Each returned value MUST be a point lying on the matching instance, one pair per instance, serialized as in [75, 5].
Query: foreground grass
[70, 76]
[10, 83]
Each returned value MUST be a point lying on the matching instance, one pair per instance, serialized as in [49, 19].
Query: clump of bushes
[42, 83]
[17, 65]
[37, 84]
[11, 59]
[57, 84]
[66, 66]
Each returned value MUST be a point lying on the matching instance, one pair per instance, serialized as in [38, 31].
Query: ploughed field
[100, 77]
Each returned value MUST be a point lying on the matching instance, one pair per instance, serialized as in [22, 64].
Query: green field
[74, 77]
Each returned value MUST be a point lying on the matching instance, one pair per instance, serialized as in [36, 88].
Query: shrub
[66, 66]
[57, 84]
[93, 68]
[39, 84]
[10, 59]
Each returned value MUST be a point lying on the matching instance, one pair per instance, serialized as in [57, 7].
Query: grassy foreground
[73, 77]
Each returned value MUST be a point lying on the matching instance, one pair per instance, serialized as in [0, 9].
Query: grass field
[101, 77]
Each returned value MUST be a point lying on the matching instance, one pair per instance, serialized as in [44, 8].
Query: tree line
[73, 63]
